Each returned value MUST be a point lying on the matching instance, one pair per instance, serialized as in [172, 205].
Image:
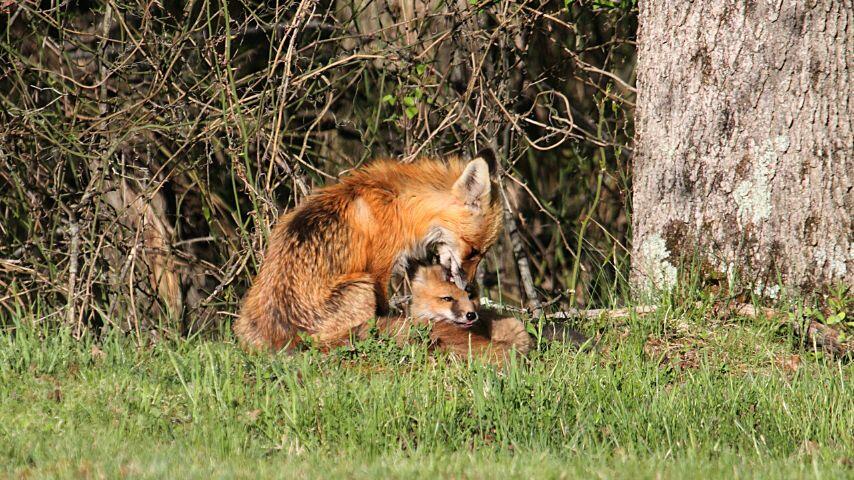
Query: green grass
[677, 394]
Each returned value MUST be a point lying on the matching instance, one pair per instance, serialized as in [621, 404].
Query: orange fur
[447, 308]
[329, 261]
[493, 338]
[444, 306]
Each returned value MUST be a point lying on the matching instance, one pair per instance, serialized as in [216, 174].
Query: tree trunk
[744, 142]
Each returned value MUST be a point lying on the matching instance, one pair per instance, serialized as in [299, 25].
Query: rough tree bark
[744, 141]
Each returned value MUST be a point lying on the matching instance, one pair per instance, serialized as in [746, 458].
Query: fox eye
[474, 253]
[447, 299]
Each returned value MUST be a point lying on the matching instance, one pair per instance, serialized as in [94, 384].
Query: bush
[148, 147]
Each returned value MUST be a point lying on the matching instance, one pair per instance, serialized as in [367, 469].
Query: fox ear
[417, 275]
[420, 269]
[473, 186]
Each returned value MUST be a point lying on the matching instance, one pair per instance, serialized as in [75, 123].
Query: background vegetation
[148, 147]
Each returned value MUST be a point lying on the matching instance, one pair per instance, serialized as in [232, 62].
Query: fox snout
[466, 318]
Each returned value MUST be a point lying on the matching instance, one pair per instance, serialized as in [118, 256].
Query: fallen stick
[569, 313]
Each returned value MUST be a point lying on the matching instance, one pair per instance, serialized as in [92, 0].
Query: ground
[676, 394]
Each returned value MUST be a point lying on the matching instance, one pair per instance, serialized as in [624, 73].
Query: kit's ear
[416, 270]
[426, 274]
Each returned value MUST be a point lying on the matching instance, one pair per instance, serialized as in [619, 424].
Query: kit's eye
[447, 299]
[474, 253]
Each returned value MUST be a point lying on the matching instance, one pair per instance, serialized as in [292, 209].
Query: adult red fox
[329, 261]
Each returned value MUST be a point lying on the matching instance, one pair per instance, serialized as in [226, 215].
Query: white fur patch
[419, 250]
[449, 258]
[447, 247]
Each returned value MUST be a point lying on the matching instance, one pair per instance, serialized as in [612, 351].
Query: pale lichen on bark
[662, 273]
[753, 194]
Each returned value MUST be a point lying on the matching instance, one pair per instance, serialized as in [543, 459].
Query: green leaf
[206, 212]
[420, 69]
[389, 99]
[411, 112]
[837, 318]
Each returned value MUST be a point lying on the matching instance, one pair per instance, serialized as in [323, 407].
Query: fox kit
[456, 324]
[329, 261]
[458, 327]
